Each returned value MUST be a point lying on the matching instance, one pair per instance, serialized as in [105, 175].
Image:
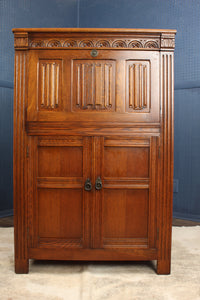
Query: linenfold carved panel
[93, 85]
[138, 86]
[50, 72]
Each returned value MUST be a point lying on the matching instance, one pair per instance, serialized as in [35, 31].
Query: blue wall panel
[6, 132]
[21, 13]
[187, 153]
[182, 15]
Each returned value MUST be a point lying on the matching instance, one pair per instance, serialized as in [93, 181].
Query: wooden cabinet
[93, 145]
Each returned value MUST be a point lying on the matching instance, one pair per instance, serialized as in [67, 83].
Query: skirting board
[195, 218]
[6, 213]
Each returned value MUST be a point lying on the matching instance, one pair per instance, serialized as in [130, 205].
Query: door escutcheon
[94, 53]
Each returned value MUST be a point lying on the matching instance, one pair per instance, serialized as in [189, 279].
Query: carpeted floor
[105, 281]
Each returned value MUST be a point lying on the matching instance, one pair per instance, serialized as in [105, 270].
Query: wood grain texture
[167, 148]
[19, 164]
[50, 95]
[139, 88]
[96, 30]
[128, 254]
[140, 39]
[93, 85]
[93, 145]
[60, 208]
[91, 88]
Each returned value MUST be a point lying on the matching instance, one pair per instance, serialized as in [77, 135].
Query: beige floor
[109, 281]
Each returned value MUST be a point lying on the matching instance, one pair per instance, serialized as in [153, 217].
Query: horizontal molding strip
[60, 142]
[124, 242]
[60, 182]
[59, 243]
[126, 183]
[126, 143]
[94, 254]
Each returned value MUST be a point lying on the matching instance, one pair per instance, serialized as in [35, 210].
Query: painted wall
[182, 15]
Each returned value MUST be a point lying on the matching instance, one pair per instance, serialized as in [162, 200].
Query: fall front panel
[114, 86]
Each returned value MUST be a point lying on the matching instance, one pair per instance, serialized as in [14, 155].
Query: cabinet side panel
[167, 148]
[19, 157]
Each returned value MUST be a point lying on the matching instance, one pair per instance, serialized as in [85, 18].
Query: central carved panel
[93, 85]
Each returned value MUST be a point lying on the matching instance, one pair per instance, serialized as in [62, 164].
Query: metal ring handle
[88, 185]
[98, 184]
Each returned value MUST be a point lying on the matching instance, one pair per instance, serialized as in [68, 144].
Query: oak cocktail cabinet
[93, 145]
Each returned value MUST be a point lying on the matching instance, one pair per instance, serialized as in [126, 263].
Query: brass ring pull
[98, 184]
[88, 185]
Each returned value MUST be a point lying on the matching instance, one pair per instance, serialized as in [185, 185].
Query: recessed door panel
[126, 162]
[125, 213]
[60, 161]
[59, 205]
[126, 201]
[58, 209]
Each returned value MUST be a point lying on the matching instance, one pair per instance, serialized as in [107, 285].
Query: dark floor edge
[189, 217]
[6, 213]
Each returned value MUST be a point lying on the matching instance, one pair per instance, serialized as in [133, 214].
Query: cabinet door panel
[62, 208]
[59, 208]
[126, 162]
[60, 161]
[126, 215]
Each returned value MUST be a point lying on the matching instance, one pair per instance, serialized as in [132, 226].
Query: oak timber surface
[93, 145]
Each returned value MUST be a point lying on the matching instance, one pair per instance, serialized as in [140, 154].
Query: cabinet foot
[163, 267]
[21, 266]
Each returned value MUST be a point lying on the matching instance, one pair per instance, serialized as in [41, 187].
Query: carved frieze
[151, 44]
[122, 43]
[160, 40]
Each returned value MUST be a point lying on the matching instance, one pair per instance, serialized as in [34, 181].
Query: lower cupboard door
[127, 204]
[58, 206]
